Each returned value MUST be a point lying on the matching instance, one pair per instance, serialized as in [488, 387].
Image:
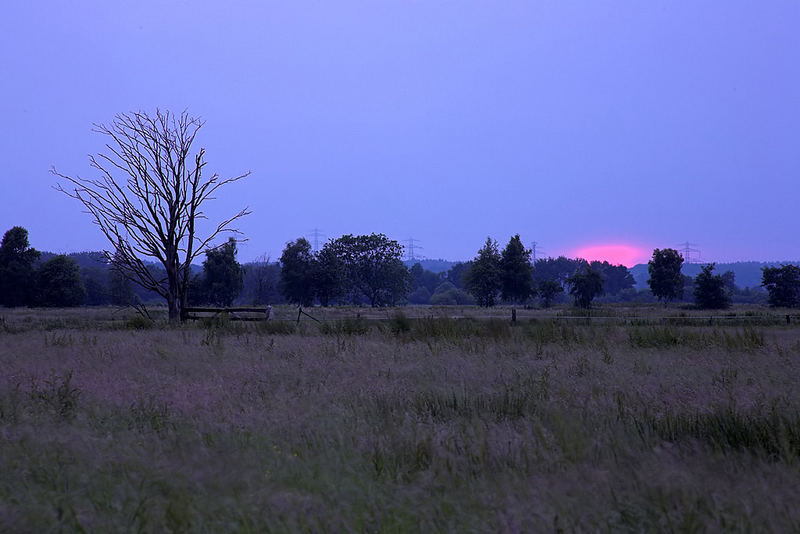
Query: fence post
[788, 318]
[514, 315]
[299, 311]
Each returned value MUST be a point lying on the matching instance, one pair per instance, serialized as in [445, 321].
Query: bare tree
[149, 197]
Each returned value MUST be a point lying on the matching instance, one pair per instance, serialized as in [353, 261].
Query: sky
[603, 128]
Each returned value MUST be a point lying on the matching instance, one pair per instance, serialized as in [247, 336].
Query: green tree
[59, 283]
[222, 279]
[584, 286]
[120, 289]
[516, 272]
[447, 294]
[261, 282]
[709, 290]
[616, 278]
[374, 268]
[17, 274]
[95, 280]
[559, 268]
[457, 273]
[424, 278]
[297, 272]
[330, 275]
[666, 280]
[783, 285]
[421, 295]
[483, 280]
[548, 289]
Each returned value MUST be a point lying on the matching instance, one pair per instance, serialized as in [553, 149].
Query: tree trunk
[173, 292]
[174, 309]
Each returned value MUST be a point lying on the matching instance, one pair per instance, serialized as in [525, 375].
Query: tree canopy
[222, 279]
[584, 286]
[666, 280]
[483, 280]
[709, 290]
[17, 272]
[516, 272]
[298, 267]
[374, 268]
[783, 285]
[59, 283]
[548, 290]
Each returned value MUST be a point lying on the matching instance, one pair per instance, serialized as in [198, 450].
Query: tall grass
[411, 424]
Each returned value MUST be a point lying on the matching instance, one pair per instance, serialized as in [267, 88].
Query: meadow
[412, 420]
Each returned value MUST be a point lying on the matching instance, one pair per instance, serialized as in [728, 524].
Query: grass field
[415, 421]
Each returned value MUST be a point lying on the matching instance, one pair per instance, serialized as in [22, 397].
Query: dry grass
[410, 424]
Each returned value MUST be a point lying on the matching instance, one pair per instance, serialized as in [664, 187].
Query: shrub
[399, 323]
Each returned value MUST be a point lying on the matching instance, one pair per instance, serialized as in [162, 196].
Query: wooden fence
[266, 314]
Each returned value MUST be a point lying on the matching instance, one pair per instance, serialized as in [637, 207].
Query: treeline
[368, 270]
[32, 278]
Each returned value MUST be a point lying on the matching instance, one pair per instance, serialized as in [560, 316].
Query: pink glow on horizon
[615, 254]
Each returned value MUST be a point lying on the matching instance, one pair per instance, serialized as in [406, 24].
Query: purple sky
[574, 124]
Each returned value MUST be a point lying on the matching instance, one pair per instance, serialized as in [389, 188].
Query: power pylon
[411, 246]
[687, 250]
[534, 250]
[315, 234]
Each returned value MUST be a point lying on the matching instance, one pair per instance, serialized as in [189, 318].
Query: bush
[139, 322]
[421, 295]
[399, 323]
[452, 297]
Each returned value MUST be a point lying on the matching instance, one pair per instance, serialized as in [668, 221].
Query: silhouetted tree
[456, 273]
[666, 280]
[421, 295]
[783, 285]
[149, 198]
[374, 268]
[222, 279]
[330, 275]
[261, 282]
[729, 278]
[297, 272]
[120, 289]
[559, 269]
[584, 286]
[483, 278]
[516, 272]
[709, 289]
[59, 284]
[548, 289]
[95, 280]
[616, 278]
[424, 278]
[17, 273]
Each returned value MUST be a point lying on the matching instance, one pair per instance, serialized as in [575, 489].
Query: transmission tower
[535, 250]
[315, 234]
[688, 250]
[411, 246]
